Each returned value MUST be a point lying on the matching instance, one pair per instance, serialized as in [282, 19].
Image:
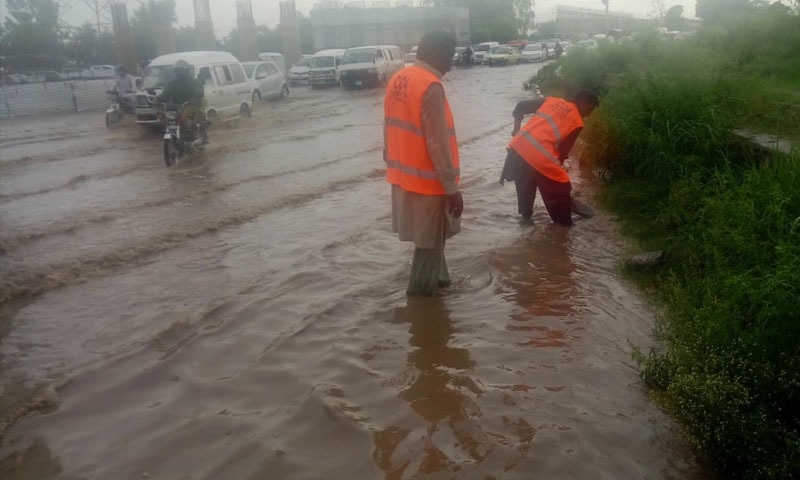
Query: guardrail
[54, 97]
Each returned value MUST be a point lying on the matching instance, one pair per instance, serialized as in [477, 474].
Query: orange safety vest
[538, 141]
[408, 163]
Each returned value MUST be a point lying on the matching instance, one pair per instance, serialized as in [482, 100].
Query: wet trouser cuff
[428, 272]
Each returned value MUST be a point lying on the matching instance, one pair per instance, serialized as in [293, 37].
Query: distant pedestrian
[537, 152]
[558, 49]
[422, 163]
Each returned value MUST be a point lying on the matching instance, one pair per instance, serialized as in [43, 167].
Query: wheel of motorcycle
[170, 152]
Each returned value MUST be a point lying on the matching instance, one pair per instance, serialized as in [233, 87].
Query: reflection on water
[541, 278]
[438, 393]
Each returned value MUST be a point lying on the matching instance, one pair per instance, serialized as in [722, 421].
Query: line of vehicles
[232, 88]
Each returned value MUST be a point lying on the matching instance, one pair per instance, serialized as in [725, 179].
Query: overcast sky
[223, 12]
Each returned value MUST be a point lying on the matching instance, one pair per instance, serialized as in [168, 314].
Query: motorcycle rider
[182, 89]
[125, 87]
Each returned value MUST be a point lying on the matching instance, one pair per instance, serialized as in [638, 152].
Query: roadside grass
[728, 215]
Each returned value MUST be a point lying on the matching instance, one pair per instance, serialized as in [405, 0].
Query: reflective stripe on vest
[408, 162]
[539, 140]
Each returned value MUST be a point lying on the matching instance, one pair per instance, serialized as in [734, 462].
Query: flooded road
[243, 314]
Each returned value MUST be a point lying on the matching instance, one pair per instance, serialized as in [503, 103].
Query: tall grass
[728, 214]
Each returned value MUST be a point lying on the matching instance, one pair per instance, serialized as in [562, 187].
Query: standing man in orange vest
[537, 152]
[422, 165]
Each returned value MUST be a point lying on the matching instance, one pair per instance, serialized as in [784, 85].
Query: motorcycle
[180, 140]
[117, 108]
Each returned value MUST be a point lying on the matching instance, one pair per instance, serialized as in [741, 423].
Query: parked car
[481, 49]
[226, 88]
[533, 52]
[324, 67]
[18, 78]
[299, 72]
[103, 71]
[266, 81]
[458, 57]
[47, 76]
[409, 59]
[502, 55]
[276, 58]
[76, 74]
[370, 65]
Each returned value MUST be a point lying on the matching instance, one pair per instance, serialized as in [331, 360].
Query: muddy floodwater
[243, 315]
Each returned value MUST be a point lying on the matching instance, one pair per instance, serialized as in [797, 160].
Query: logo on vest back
[400, 87]
[562, 110]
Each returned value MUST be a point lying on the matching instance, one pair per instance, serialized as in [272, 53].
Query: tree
[185, 39]
[673, 19]
[711, 11]
[524, 15]
[85, 47]
[151, 23]
[30, 38]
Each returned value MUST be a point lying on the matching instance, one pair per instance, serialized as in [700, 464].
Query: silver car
[266, 80]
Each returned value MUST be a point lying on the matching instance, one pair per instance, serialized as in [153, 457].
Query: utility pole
[97, 14]
[605, 2]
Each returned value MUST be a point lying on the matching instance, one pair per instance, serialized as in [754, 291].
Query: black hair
[436, 45]
[585, 97]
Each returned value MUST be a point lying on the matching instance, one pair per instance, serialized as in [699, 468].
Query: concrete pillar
[248, 37]
[290, 32]
[203, 26]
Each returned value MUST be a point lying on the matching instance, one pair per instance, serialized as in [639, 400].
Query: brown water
[243, 316]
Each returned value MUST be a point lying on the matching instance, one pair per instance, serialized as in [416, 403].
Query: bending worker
[537, 152]
[421, 155]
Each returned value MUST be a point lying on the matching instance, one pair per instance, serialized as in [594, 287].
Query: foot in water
[581, 209]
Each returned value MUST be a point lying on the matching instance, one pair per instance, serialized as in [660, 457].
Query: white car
[266, 80]
[533, 52]
[103, 71]
[76, 73]
[300, 71]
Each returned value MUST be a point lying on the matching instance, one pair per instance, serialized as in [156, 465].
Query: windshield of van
[158, 77]
[481, 48]
[321, 62]
[359, 55]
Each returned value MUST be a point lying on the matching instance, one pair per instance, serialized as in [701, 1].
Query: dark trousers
[527, 180]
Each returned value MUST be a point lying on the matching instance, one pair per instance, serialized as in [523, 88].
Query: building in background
[574, 21]
[338, 25]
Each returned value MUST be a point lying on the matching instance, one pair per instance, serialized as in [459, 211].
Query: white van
[482, 49]
[324, 67]
[371, 65]
[226, 88]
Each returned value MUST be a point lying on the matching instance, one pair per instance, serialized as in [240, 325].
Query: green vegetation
[726, 212]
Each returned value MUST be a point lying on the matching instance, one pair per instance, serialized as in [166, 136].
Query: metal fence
[54, 97]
